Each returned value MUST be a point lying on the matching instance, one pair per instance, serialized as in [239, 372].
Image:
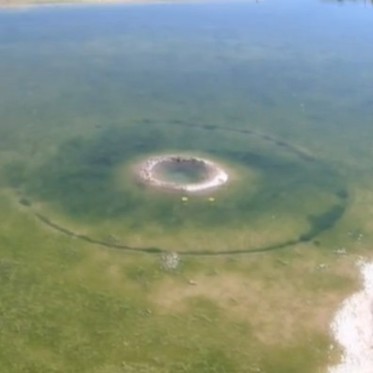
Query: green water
[182, 171]
[279, 93]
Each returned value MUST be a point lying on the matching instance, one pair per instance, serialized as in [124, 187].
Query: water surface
[279, 92]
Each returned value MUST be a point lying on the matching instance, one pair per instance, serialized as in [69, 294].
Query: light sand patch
[277, 311]
[353, 327]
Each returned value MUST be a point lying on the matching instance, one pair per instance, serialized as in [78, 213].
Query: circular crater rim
[150, 172]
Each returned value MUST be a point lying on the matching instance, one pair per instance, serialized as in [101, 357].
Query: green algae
[80, 182]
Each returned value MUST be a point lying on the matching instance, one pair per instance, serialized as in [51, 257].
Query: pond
[275, 98]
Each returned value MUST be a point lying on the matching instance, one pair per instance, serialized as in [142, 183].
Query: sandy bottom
[352, 327]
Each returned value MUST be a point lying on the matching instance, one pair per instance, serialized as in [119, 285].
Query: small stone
[192, 282]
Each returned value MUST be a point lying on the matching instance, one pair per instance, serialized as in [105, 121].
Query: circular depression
[281, 194]
[184, 173]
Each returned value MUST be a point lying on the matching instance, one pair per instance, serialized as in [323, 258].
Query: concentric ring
[281, 194]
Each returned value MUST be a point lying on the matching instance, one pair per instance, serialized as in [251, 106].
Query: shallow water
[99, 88]
[280, 93]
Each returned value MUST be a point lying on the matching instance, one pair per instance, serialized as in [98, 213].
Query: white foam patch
[352, 327]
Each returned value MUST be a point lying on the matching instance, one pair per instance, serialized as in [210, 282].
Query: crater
[182, 173]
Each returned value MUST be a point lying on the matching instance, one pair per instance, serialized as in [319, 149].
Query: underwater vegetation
[91, 180]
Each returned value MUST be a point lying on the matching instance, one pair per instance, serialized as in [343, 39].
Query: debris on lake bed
[170, 261]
